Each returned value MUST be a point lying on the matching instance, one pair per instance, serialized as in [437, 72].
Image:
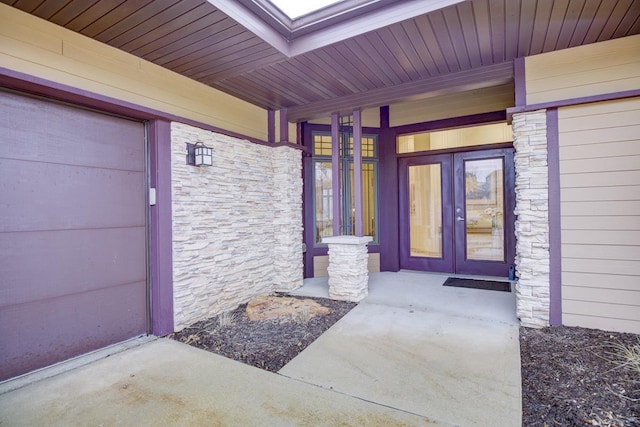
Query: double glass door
[457, 212]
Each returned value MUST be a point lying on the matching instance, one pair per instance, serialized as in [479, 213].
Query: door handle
[459, 218]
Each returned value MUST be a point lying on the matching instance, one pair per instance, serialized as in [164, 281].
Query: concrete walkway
[450, 354]
[413, 353]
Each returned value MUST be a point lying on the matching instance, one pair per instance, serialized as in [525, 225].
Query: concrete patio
[412, 353]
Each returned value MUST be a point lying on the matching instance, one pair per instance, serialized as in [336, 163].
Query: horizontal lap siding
[478, 101]
[600, 214]
[595, 69]
[39, 48]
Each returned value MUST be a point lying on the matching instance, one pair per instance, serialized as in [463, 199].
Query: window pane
[324, 200]
[368, 201]
[484, 207]
[425, 211]
[452, 138]
[322, 145]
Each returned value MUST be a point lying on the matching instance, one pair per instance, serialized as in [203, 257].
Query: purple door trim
[160, 246]
[555, 255]
[160, 224]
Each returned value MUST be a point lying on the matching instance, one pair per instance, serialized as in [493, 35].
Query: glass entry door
[457, 212]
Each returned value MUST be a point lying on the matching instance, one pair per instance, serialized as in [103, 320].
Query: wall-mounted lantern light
[199, 154]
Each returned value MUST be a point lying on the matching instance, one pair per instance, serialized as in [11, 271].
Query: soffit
[364, 61]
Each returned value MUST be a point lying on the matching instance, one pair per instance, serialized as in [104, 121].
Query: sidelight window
[323, 185]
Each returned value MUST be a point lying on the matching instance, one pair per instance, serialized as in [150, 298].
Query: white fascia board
[401, 11]
[251, 22]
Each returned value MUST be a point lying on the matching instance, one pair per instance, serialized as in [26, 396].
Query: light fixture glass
[199, 154]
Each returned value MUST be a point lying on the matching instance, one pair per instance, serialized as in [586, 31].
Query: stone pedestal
[348, 267]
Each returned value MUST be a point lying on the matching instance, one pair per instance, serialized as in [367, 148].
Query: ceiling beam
[462, 81]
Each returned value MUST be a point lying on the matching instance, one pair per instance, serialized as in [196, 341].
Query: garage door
[72, 232]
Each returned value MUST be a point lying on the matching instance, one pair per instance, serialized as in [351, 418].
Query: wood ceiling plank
[195, 30]
[429, 38]
[497, 15]
[326, 81]
[410, 51]
[92, 14]
[630, 19]
[585, 21]
[411, 28]
[599, 21]
[231, 61]
[256, 94]
[114, 17]
[279, 85]
[315, 60]
[254, 62]
[71, 10]
[203, 47]
[569, 24]
[395, 54]
[540, 27]
[159, 24]
[481, 14]
[459, 20]
[511, 29]
[192, 42]
[359, 68]
[328, 56]
[558, 10]
[173, 25]
[370, 46]
[198, 63]
[527, 14]
[443, 39]
[25, 5]
[131, 21]
[49, 8]
[294, 74]
[618, 13]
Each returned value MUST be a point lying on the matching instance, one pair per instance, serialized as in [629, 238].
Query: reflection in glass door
[484, 209]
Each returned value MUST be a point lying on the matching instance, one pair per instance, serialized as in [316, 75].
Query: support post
[335, 172]
[284, 126]
[357, 172]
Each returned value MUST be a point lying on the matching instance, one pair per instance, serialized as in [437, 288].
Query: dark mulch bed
[570, 376]
[265, 344]
[575, 377]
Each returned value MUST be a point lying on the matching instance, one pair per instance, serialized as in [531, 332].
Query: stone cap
[347, 240]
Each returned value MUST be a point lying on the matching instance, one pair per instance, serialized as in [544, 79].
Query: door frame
[453, 252]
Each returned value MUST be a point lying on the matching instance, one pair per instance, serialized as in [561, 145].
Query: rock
[265, 307]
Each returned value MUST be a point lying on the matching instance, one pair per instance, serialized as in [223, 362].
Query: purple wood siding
[72, 232]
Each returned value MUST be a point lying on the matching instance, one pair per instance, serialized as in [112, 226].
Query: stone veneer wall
[532, 224]
[237, 225]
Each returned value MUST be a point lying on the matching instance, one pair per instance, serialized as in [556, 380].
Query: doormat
[488, 285]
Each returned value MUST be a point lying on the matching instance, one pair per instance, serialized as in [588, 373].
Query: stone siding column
[532, 224]
[287, 217]
[348, 267]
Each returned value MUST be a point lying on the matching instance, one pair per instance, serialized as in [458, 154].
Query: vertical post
[284, 126]
[357, 172]
[271, 126]
[335, 172]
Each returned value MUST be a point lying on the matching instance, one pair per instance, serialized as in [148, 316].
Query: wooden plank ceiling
[466, 45]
